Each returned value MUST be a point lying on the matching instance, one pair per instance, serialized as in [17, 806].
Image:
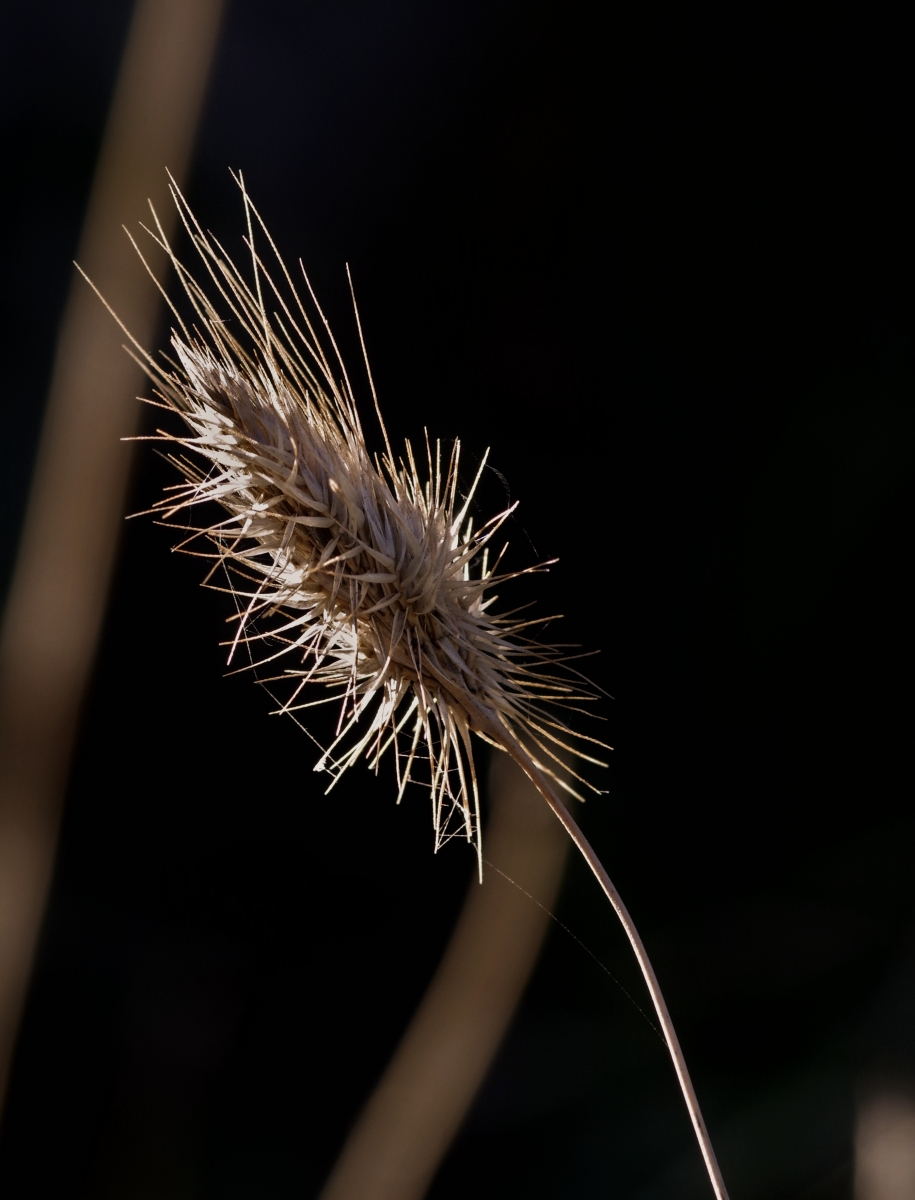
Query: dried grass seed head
[365, 576]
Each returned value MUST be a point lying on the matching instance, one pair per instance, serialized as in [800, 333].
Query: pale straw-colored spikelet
[358, 574]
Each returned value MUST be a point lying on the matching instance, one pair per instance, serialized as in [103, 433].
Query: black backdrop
[662, 265]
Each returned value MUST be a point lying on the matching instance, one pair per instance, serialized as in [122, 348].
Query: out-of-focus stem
[60, 584]
[421, 1100]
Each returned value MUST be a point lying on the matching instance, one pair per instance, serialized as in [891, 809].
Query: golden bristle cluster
[359, 574]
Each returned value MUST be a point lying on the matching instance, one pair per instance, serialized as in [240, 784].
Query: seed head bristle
[365, 576]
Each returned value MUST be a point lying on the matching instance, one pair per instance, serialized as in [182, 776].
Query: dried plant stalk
[405, 1130]
[59, 588]
[362, 574]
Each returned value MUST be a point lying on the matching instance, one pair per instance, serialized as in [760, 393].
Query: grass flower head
[364, 575]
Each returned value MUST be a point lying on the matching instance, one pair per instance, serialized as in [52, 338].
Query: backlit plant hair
[362, 574]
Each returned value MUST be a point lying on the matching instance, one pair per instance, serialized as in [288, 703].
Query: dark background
[663, 265]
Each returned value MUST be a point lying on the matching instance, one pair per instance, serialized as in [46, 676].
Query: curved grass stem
[495, 730]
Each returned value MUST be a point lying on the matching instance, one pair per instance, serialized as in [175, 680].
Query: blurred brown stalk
[418, 1106]
[60, 585]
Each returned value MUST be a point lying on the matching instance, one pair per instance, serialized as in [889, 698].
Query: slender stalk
[420, 1102]
[57, 597]
[489, 724]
